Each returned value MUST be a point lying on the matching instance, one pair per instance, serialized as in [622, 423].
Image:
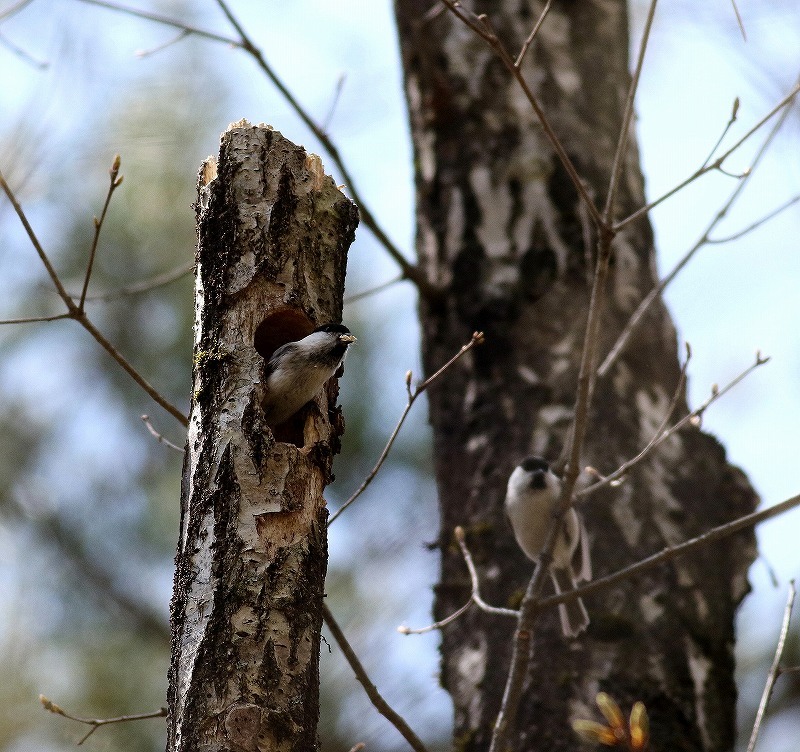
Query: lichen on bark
[273, 234]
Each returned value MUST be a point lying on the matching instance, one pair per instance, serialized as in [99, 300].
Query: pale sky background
[732, 300]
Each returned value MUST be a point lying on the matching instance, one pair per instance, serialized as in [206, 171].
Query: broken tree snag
[273, 233]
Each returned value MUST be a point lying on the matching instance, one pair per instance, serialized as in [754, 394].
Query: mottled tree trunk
[501, 230]
[273, 234]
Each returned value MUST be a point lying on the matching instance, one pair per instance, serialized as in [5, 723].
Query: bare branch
[402, 629]
[75, 312]
[179, 37]
[164, 20]
[475, 595]
[671, 552]
[68, 301]
[477, 338]
[34, 319]
[410, 271]
[774, 670]
[23, 54]
[13, 9]
[755, 225]
[664, 433]
[521, 650]
[728, 125]
[372, 691]
[373, 290]
[158, 436]
[739, 19]
[337, 93]
[473, 576]
[137, 288]
[96, 723]
[115, 182]
[533, 34]
[130, 370]
[643, 307]
[715, 165]
[481, 26]
[622, 144]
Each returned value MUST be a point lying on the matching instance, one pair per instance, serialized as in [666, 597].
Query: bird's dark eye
[532, 464]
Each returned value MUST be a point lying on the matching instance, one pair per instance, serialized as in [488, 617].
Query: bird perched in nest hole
[297, 371]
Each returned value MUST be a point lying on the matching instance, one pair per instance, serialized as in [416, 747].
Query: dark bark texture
[273, 234]
[502, 231]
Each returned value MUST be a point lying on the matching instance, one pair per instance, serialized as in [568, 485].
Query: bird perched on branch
[297, 371]
[531, 503]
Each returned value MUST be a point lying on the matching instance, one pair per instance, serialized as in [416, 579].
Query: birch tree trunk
[502, 232]
[273, 234]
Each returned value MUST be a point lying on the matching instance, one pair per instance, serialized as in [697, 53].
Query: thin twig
[660, 434]
[533, 34]
[648, 300]
[715, 165]
[755, 225]
[473, 577]
[22, 53]
[373, 290]
[13, 9]
[620, 153]
[114, 183]
[728, 125]
[179, 37]
[166, 21]
[739, 19]
[34, 319]
[137, 288]
[130, 370]
[69, 302]
[402, 629]
[477, 338]
[475, 595]
[664, 433]
[79, 315]
[717, 533]
[410, 271]
[521, 650]
[158, 436]
[96, 723]
[337, 93]
[375, 697]
[774, 670]
[482, 27]
[671, 552]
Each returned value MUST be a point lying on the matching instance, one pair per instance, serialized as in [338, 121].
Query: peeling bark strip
[502, 231]
[273, 234]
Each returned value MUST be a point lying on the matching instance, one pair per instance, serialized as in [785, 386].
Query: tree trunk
[502, 231]
[273, 234]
